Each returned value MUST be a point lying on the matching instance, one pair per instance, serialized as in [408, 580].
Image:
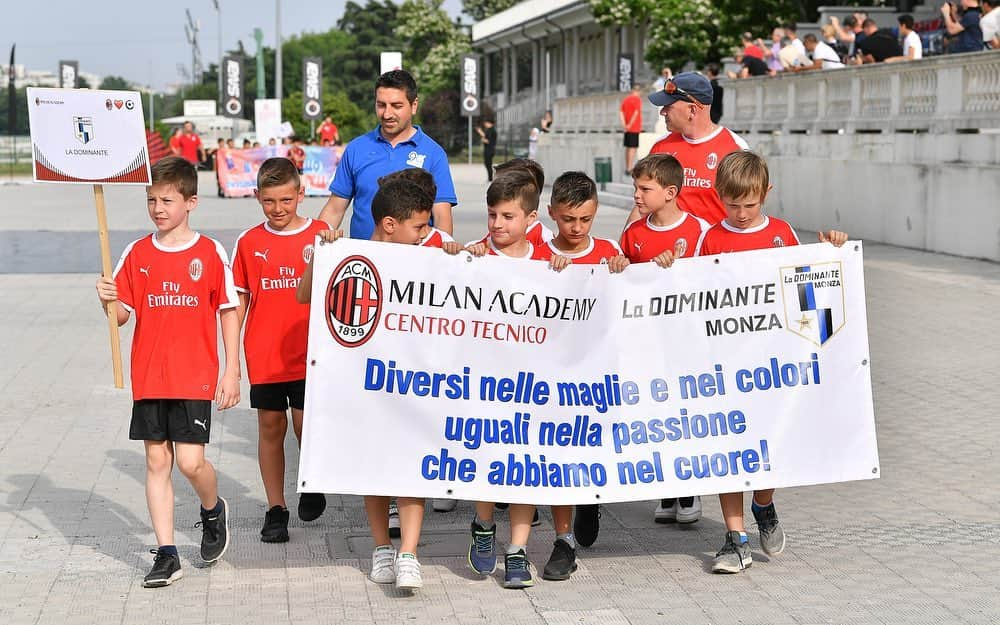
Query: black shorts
[278, 396]
[631, 139]
[177, 420]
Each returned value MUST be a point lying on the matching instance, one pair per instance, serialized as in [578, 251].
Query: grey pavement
[919, 545]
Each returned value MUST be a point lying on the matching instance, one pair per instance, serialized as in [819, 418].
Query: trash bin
[602, 170]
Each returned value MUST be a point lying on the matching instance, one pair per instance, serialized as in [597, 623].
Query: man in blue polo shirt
[393, 145]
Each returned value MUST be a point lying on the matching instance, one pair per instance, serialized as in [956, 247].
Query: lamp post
[277, 58]
[218, 13]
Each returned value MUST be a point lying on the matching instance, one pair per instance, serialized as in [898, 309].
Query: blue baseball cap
[687, 86]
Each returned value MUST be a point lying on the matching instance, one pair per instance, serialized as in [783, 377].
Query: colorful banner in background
[237, 169]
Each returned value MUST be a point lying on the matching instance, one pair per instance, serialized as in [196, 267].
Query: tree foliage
[433, 44]
[481, 9]
[115, 83]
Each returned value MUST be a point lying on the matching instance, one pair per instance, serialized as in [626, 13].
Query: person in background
[964, 28]
[488, 135]
[878, 44]
[823, 56]
[752, 66]
[990, 24]
[175, 142]
[913, 48]
[328, 133]
[630, 115]
[712, 71]
[665, 75]
[772, 54]
[546, 123]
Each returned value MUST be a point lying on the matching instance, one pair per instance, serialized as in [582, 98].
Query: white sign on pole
[199, 108]
[85, 136]
[390, 61]
[500, 380]
[267, 119]
[470, 85]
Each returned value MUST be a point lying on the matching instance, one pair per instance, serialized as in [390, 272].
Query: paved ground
[920, 545]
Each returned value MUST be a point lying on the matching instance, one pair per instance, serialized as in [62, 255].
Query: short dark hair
[277, 171]
[713, 69]
[790, 27]
[906, 20]
[514, 185]
[417, 175]
[665, 169]
[869, 22]
[177, 172]
[398, 79]
[810, 38]
[572, 189]
[532, 167]
[850, 21]
[399, 199]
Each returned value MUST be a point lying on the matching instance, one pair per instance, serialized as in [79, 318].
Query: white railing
[940, 95]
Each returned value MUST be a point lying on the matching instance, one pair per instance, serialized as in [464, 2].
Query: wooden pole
[112, 308]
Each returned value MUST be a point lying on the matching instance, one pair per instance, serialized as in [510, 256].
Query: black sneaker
[311, 506]
[275, 526]
[214, 533]
[166, 570]
[561, 563]
[587, 524]
[501, 506]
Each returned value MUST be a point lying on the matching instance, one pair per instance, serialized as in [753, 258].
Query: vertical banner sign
[312, 90]
[68, 72]
[233, 76]
[267, 119]
[470, 85]
[625, 72]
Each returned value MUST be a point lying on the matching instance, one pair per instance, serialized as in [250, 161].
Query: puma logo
[144, 270]
[638, 246]
[202, 424]
[262, 254]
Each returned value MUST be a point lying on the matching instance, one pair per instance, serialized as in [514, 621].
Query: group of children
[176, 281]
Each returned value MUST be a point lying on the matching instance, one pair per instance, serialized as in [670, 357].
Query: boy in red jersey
[537, 233]
[435, 237]
[511, 206]
[401, 210]
[572, 207]
[662, 232]
[743, 183]
[268, 262]
[176, 281]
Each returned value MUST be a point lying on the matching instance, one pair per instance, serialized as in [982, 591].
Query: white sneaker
[383, 569]
[444, 505]
[393, 520]
[688, 514]
[666, 511]
[408, 572]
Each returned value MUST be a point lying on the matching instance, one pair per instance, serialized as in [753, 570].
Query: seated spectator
[793, 54]
[752, 66]
[964, 28]
[773, 53]
[913, 48]
[990, 24]
[823, 56]
[878, 45]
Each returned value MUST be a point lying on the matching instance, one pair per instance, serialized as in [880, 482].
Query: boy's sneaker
[517, 570]
[444, 505]
[561, 563]
[214, 532]
[688, 509]
[408, 572]
[383, 565]
[393, 520]
[311, 506]
[772, 537]
[587, 524]
[501, 506]
[734, 555]
[666, 512]
[275, 528]
[166, 570]
[483, 550]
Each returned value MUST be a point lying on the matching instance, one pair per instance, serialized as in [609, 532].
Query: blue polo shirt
[369, 157]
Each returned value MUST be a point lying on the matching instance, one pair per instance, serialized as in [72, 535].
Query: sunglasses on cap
[671, 88]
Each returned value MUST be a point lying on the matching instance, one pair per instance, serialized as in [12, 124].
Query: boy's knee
[190, 467]
[158, 459]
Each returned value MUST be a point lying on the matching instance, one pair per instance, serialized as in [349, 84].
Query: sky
[144, 41]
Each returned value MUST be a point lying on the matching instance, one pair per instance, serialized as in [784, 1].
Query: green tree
[115, 83]
[351, 119]
[21, 105]
[433, 42]
[481, 9]
[372, 28]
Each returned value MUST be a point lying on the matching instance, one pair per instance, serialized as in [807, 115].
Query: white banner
[267, 120]
[500, 380]
[86, 136]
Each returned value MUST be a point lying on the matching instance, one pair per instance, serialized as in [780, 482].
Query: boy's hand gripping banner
[501, 380]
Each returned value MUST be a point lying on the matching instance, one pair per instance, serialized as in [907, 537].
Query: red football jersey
[175, 293]
[700, 159]
[268, 264]
[599, 251]
[725, 238]
[642, 241]
[538, 233]
[436, 238]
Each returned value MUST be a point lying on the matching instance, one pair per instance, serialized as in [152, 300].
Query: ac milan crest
[195, 269]
[353, 301]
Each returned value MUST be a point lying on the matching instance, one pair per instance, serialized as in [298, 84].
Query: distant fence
[21, 148]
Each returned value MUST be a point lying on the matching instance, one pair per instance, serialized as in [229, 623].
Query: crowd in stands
[964, 26]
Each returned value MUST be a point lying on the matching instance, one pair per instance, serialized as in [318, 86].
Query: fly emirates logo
[171, 296]
[691, 179]
[286, 280]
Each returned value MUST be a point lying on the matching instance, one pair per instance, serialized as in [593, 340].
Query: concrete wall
[939, 193]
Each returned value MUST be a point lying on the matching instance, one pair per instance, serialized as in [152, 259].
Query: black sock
[170, 550]
[216, 510]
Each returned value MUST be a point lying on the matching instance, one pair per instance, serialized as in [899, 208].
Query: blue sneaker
[483, 549]
[517, 573]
